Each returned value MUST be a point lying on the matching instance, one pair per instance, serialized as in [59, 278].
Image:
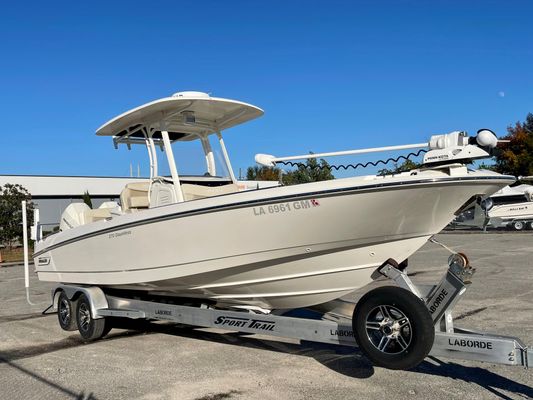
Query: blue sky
[330, 75]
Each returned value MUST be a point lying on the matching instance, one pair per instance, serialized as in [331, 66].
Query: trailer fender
[95, 295]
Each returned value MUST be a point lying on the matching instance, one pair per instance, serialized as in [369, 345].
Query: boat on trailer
[512, 207]
[203, 241]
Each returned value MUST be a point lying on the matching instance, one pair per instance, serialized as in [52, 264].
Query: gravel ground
[39, 361]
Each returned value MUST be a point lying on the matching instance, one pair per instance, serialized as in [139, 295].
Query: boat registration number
[285, 207]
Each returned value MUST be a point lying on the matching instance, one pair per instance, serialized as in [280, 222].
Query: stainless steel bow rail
[332, 328]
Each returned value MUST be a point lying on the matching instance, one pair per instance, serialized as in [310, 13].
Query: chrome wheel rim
[64, 311]
[388, 329]
[85, 317]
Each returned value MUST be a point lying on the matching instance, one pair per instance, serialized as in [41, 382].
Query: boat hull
[276, 248]
[504, 213]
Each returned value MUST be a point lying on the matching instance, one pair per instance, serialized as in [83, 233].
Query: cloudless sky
[330, 75]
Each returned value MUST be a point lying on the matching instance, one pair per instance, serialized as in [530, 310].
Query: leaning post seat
[195, 192]
[135, 196]
[162, 191]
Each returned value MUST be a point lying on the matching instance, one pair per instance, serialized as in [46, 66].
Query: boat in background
[510, 207]
[205, 239]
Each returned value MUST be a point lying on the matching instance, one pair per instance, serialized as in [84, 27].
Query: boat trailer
[332, 328]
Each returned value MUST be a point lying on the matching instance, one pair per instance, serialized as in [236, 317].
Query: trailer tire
[66, 316]
[518, 225]
[89, 327]
[393, 328]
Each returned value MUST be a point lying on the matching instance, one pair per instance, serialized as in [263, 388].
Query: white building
[52, 194]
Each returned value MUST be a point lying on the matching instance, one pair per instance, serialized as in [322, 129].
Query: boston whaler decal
[235, 322]
[286, 207]
[43, 261]
[518, 208]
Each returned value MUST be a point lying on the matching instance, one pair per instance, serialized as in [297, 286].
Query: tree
[11, 197]
[311, 171]
[87, 199]
[257, 173]
[516, 157]
[407, 165]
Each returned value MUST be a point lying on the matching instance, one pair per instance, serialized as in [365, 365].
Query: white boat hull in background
[502, 214]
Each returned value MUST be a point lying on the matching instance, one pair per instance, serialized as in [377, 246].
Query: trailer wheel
[89, 328]
[66, 313]
[530, 225]
[518, 225]
[393, 328]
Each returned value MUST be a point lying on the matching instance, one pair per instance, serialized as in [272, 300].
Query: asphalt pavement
[159, 361]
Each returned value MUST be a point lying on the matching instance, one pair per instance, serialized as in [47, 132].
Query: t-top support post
[226, 157]
[172, 166]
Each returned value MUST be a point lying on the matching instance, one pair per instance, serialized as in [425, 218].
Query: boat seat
[106, 210]
[195, 192]
[96, 215]
[135, 196]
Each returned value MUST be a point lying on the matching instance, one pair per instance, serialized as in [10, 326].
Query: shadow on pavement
[344, 360]
[65, 391]
[350, 362]
[7, 356]
[488, 380]
[21, 317]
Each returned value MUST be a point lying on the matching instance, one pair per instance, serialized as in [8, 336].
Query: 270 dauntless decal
[235, 322]
[286, 207]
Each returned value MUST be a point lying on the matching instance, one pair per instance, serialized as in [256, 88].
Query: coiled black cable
[347, 166]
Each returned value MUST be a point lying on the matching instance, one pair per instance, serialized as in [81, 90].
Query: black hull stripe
[292, 197]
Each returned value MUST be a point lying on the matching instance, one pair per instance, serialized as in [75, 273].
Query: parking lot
[157, 361]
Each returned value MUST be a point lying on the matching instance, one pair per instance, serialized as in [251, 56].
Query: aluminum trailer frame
[334, 327]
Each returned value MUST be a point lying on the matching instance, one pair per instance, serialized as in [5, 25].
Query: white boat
[203, 237]
[512, 207]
